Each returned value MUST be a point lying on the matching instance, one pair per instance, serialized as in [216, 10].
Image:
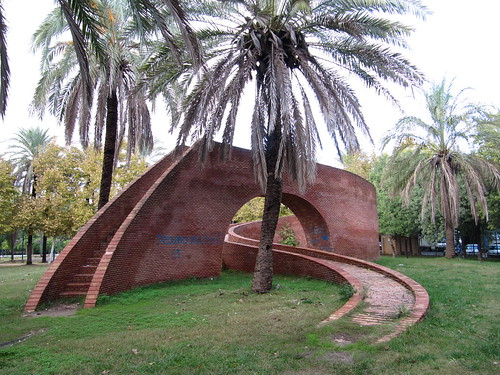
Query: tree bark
[109, 149]
[29, 250]
[44, 249]
[29, 247]
[479, 242]
[52, 249]
[263, 273]
[12, 244]
[450, 239]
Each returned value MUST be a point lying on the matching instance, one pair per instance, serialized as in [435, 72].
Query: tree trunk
[450, 239]
[263, 273]
[479, 242]
[109, 149]
[52, 249]
[12, 244]
[44, 249]
[393, 248]
[29, 249]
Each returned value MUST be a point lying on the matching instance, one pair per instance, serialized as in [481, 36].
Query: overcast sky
[458, 41]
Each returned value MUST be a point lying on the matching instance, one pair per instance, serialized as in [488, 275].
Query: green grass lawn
[219, 327]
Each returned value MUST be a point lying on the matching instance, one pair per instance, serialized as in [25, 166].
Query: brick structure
[170, 224]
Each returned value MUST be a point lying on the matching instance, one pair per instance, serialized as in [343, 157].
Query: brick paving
[385, 298]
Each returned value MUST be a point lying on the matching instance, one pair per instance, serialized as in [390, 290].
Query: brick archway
[310, 227]
[170, 224]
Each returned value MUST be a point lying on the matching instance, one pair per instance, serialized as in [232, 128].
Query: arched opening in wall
[300, 223]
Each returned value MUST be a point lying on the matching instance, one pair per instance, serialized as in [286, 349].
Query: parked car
[471, 249]
[494, 250]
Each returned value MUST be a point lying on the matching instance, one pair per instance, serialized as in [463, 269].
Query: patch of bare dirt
[54, 311]
[343, 339]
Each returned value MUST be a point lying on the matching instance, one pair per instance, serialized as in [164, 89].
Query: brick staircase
[78, 284]
[71, 274]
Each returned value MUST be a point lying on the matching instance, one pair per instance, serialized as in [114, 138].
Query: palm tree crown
[28, 144]
[62, 89]
[428, 153]
[295, 50]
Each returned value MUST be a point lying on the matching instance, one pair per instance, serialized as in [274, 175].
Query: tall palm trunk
[109, 149]
[263, 273]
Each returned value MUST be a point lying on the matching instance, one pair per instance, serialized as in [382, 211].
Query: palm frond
[4, 65]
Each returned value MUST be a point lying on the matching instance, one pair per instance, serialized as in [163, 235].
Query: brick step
[88, 269]
[92, 261]
[78, 285]
[74, 293]
[80, 277]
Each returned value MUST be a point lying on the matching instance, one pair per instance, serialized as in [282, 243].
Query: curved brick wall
[252, 229]
[172, 222]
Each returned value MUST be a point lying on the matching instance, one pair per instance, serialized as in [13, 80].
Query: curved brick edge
[49, 282]
[242, 257]
[102, 268]
[419, 309]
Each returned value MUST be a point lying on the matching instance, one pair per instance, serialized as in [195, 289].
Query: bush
[288, 236]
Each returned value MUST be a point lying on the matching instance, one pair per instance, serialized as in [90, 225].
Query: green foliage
[296, 53]
[394, 218]
[253, 209]
[427, 157]
[67, 186]
[347, 290]
[359, 163]
[8, 196]
[487, 141]
[250, 211]
[287, 235]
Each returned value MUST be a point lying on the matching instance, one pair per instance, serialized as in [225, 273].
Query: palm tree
[428, 154]
[114, 74]
[79, 15]
[297, 51]
[118, 105]
[29, 143]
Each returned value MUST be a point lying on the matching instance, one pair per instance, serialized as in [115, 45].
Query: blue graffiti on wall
[319, 239]
[174, 244]
[190, 240]
[176, 254]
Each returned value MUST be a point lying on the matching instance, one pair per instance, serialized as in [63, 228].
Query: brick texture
[171, 222]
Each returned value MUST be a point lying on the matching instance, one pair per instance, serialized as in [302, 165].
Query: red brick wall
[170, 224]
[252, 229]
[177, 231]
[242, 258]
